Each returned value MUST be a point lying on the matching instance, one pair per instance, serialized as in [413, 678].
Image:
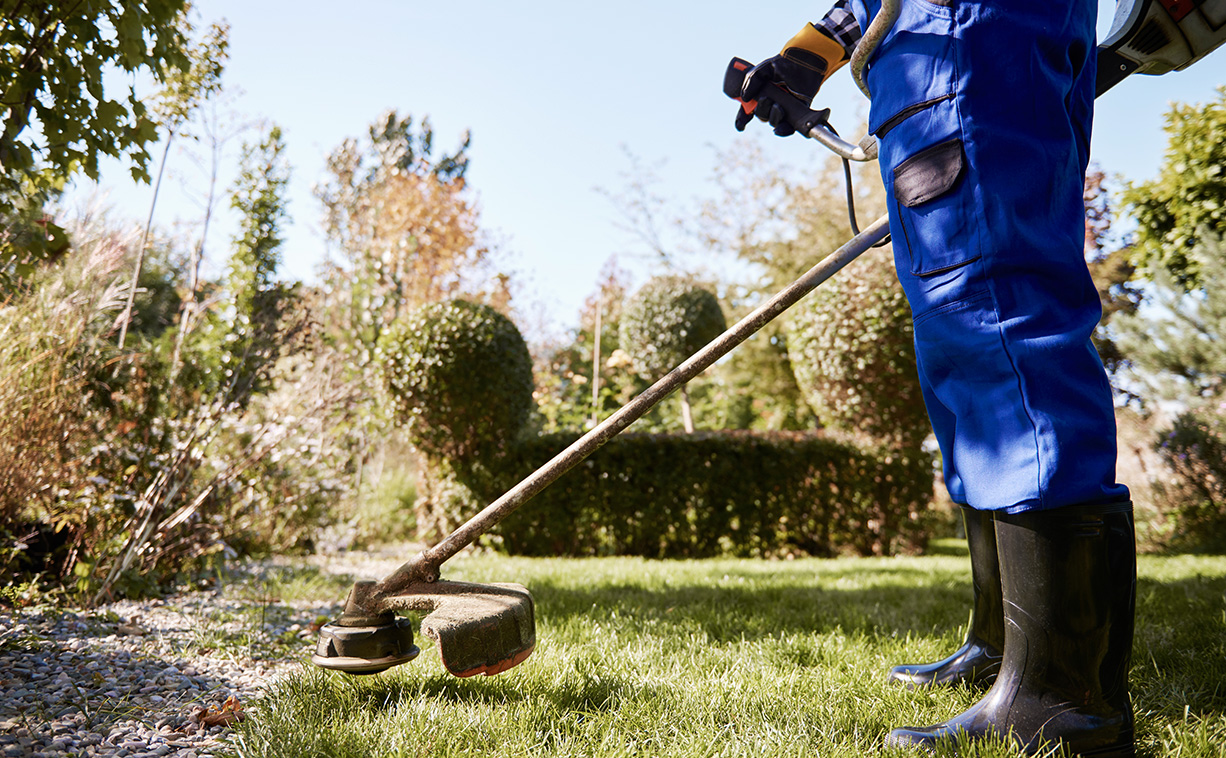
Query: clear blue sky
[552, 91]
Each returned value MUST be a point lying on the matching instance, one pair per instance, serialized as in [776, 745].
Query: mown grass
[730, 657]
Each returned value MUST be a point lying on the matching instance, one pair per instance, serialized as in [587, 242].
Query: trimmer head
[479, 628]
[365, 649]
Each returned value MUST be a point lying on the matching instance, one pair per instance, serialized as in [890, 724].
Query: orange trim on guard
[497, 667]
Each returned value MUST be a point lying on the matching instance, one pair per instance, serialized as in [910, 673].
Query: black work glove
[807, 60]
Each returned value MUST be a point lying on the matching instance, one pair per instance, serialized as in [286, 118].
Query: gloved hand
[807, 60]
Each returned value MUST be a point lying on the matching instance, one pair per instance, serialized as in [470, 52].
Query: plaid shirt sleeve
[840, 23]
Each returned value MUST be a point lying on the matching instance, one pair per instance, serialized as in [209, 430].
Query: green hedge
[713, 493]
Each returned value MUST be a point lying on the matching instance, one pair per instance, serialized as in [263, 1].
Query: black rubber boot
[978, 660]
[1069, 581]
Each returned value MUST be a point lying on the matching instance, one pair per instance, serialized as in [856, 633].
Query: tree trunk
[140, 254]
[686, 418]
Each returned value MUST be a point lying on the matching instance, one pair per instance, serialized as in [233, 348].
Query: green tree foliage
[57, 117]
[229, 355]
[256, 297]
[1188, 199]
[186, 88]
[851, 346]
[1177, 340]
[28, 237]
[1173, 341]
[54, 56]
[669, 319]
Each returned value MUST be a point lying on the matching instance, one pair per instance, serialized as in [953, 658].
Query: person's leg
[978, 660]
[1069, 585]
[983, 114]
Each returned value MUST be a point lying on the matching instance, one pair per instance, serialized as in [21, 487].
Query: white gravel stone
[84, 683]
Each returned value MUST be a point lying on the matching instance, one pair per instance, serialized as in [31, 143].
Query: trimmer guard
[479, 628]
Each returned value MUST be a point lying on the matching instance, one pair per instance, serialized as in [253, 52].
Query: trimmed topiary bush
[460, 378]
[851, 345]
[669, 319]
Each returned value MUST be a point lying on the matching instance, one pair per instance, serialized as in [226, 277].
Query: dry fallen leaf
[230, 713]
[132, 627]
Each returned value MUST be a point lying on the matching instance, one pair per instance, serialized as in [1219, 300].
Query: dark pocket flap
[929, 173]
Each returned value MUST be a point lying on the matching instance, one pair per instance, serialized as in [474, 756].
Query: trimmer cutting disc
[365, 649]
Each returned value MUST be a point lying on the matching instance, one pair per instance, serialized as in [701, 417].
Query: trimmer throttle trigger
[796, 111]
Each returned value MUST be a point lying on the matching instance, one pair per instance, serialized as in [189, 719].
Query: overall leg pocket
[933, 205]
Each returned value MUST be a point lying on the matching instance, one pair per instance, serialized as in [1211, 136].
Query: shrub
[52, 348]
[669, 319]
[851, 345]
[460, 379]
[710, 493]
[1195, 451]
[121, 474]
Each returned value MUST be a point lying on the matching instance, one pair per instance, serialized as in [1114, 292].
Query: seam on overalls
[1034, 427]
[989, 258]
[953, 307]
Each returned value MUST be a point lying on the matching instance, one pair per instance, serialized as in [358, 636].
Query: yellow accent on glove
[813, 49]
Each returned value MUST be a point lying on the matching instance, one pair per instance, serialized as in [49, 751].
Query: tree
[1188, 199]
[1177, 340]
[1111, 267]
[58, 118]
[185, 90]
[407, 230]
[669, 319]
[255, 297]
[1173, 337]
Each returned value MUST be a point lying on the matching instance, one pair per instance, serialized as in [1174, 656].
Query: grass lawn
[732, 657]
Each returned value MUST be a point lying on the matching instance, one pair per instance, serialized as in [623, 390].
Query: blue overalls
[983, 109]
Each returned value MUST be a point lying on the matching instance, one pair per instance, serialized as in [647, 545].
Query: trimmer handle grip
[796, 111]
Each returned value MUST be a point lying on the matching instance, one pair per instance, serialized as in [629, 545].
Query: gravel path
[152, 678]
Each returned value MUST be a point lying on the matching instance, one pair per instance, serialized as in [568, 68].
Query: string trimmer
[488, 628]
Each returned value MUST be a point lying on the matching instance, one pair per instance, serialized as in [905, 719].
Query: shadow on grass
[582, 694]
[901, 601]
[1179, 660]
[1179, 652]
